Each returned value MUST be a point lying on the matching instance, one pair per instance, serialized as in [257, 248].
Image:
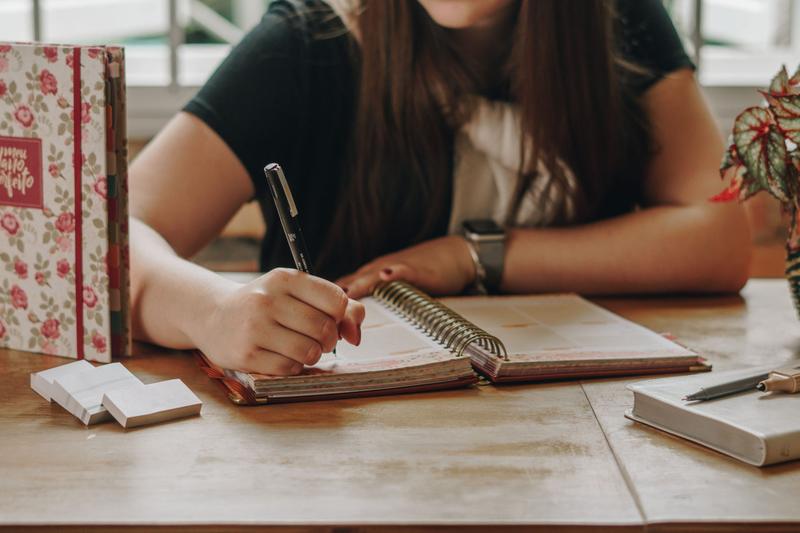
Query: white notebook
[757, 428]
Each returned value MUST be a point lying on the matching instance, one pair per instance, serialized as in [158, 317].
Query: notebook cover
[584, 373]
[61, 211]
[241, 395]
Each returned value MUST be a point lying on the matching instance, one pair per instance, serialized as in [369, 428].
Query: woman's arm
[678, 241]
[184, 187]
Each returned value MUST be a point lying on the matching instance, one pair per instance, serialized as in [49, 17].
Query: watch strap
[492, 255]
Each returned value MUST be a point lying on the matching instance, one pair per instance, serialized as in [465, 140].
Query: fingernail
[387, 271]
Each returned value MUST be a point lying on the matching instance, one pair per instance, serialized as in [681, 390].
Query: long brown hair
[561, 71]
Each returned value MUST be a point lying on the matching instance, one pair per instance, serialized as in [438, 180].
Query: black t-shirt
[286, 94]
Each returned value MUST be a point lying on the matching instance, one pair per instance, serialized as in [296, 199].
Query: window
[739, 42]
[173, 45]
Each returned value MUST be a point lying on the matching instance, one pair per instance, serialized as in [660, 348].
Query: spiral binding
[440, 322]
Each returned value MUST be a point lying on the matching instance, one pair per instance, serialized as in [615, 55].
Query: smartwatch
[487, 242]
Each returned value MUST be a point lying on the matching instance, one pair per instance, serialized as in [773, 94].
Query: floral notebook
[63, 201]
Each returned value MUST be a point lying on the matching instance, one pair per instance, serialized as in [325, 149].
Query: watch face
[483, 227]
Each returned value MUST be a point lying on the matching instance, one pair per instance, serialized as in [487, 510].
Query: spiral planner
[412, 342]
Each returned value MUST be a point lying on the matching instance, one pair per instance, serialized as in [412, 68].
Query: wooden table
[556, 455]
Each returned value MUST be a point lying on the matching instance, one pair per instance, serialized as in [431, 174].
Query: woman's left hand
[438, 266]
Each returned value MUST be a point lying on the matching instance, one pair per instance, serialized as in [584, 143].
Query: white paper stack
[81, 393]
[95, 394]
[148, 404]
[42, 382]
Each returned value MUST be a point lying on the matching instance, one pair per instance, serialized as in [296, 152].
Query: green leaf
[781, 84]
[786, 109]
[763, 151]
[790, 127]
[4, 257]
[794, 81]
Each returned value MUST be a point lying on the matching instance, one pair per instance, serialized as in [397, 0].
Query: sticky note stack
[148, 404]
[42, 382]
[95, 394]
[81, 392]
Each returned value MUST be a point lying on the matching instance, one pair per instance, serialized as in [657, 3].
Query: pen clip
[286, 191]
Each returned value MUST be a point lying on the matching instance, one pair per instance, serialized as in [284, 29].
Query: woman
[577, 125]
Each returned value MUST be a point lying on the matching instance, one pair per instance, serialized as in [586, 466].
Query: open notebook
[411, 342]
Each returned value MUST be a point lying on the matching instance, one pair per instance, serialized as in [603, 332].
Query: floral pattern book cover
[63, 201]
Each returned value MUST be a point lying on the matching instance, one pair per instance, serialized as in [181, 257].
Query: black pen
[290, 218]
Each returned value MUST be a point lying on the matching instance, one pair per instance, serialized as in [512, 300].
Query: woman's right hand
[277, 323]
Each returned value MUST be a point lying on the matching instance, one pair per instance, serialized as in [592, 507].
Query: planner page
[543, 327]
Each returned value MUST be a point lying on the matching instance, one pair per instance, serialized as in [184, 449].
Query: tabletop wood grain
[553, 455]
[676, 482]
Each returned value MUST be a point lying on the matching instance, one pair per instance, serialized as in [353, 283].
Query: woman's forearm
[169, 295]
[696, 248]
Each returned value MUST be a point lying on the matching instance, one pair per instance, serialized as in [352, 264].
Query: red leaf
[731, 192]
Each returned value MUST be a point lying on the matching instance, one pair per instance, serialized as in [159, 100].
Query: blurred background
[172, 46]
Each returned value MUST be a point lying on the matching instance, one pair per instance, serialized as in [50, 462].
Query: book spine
[116, 156]
[781, 448]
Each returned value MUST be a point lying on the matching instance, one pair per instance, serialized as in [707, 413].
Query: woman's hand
[277, 323]
[438, 266]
